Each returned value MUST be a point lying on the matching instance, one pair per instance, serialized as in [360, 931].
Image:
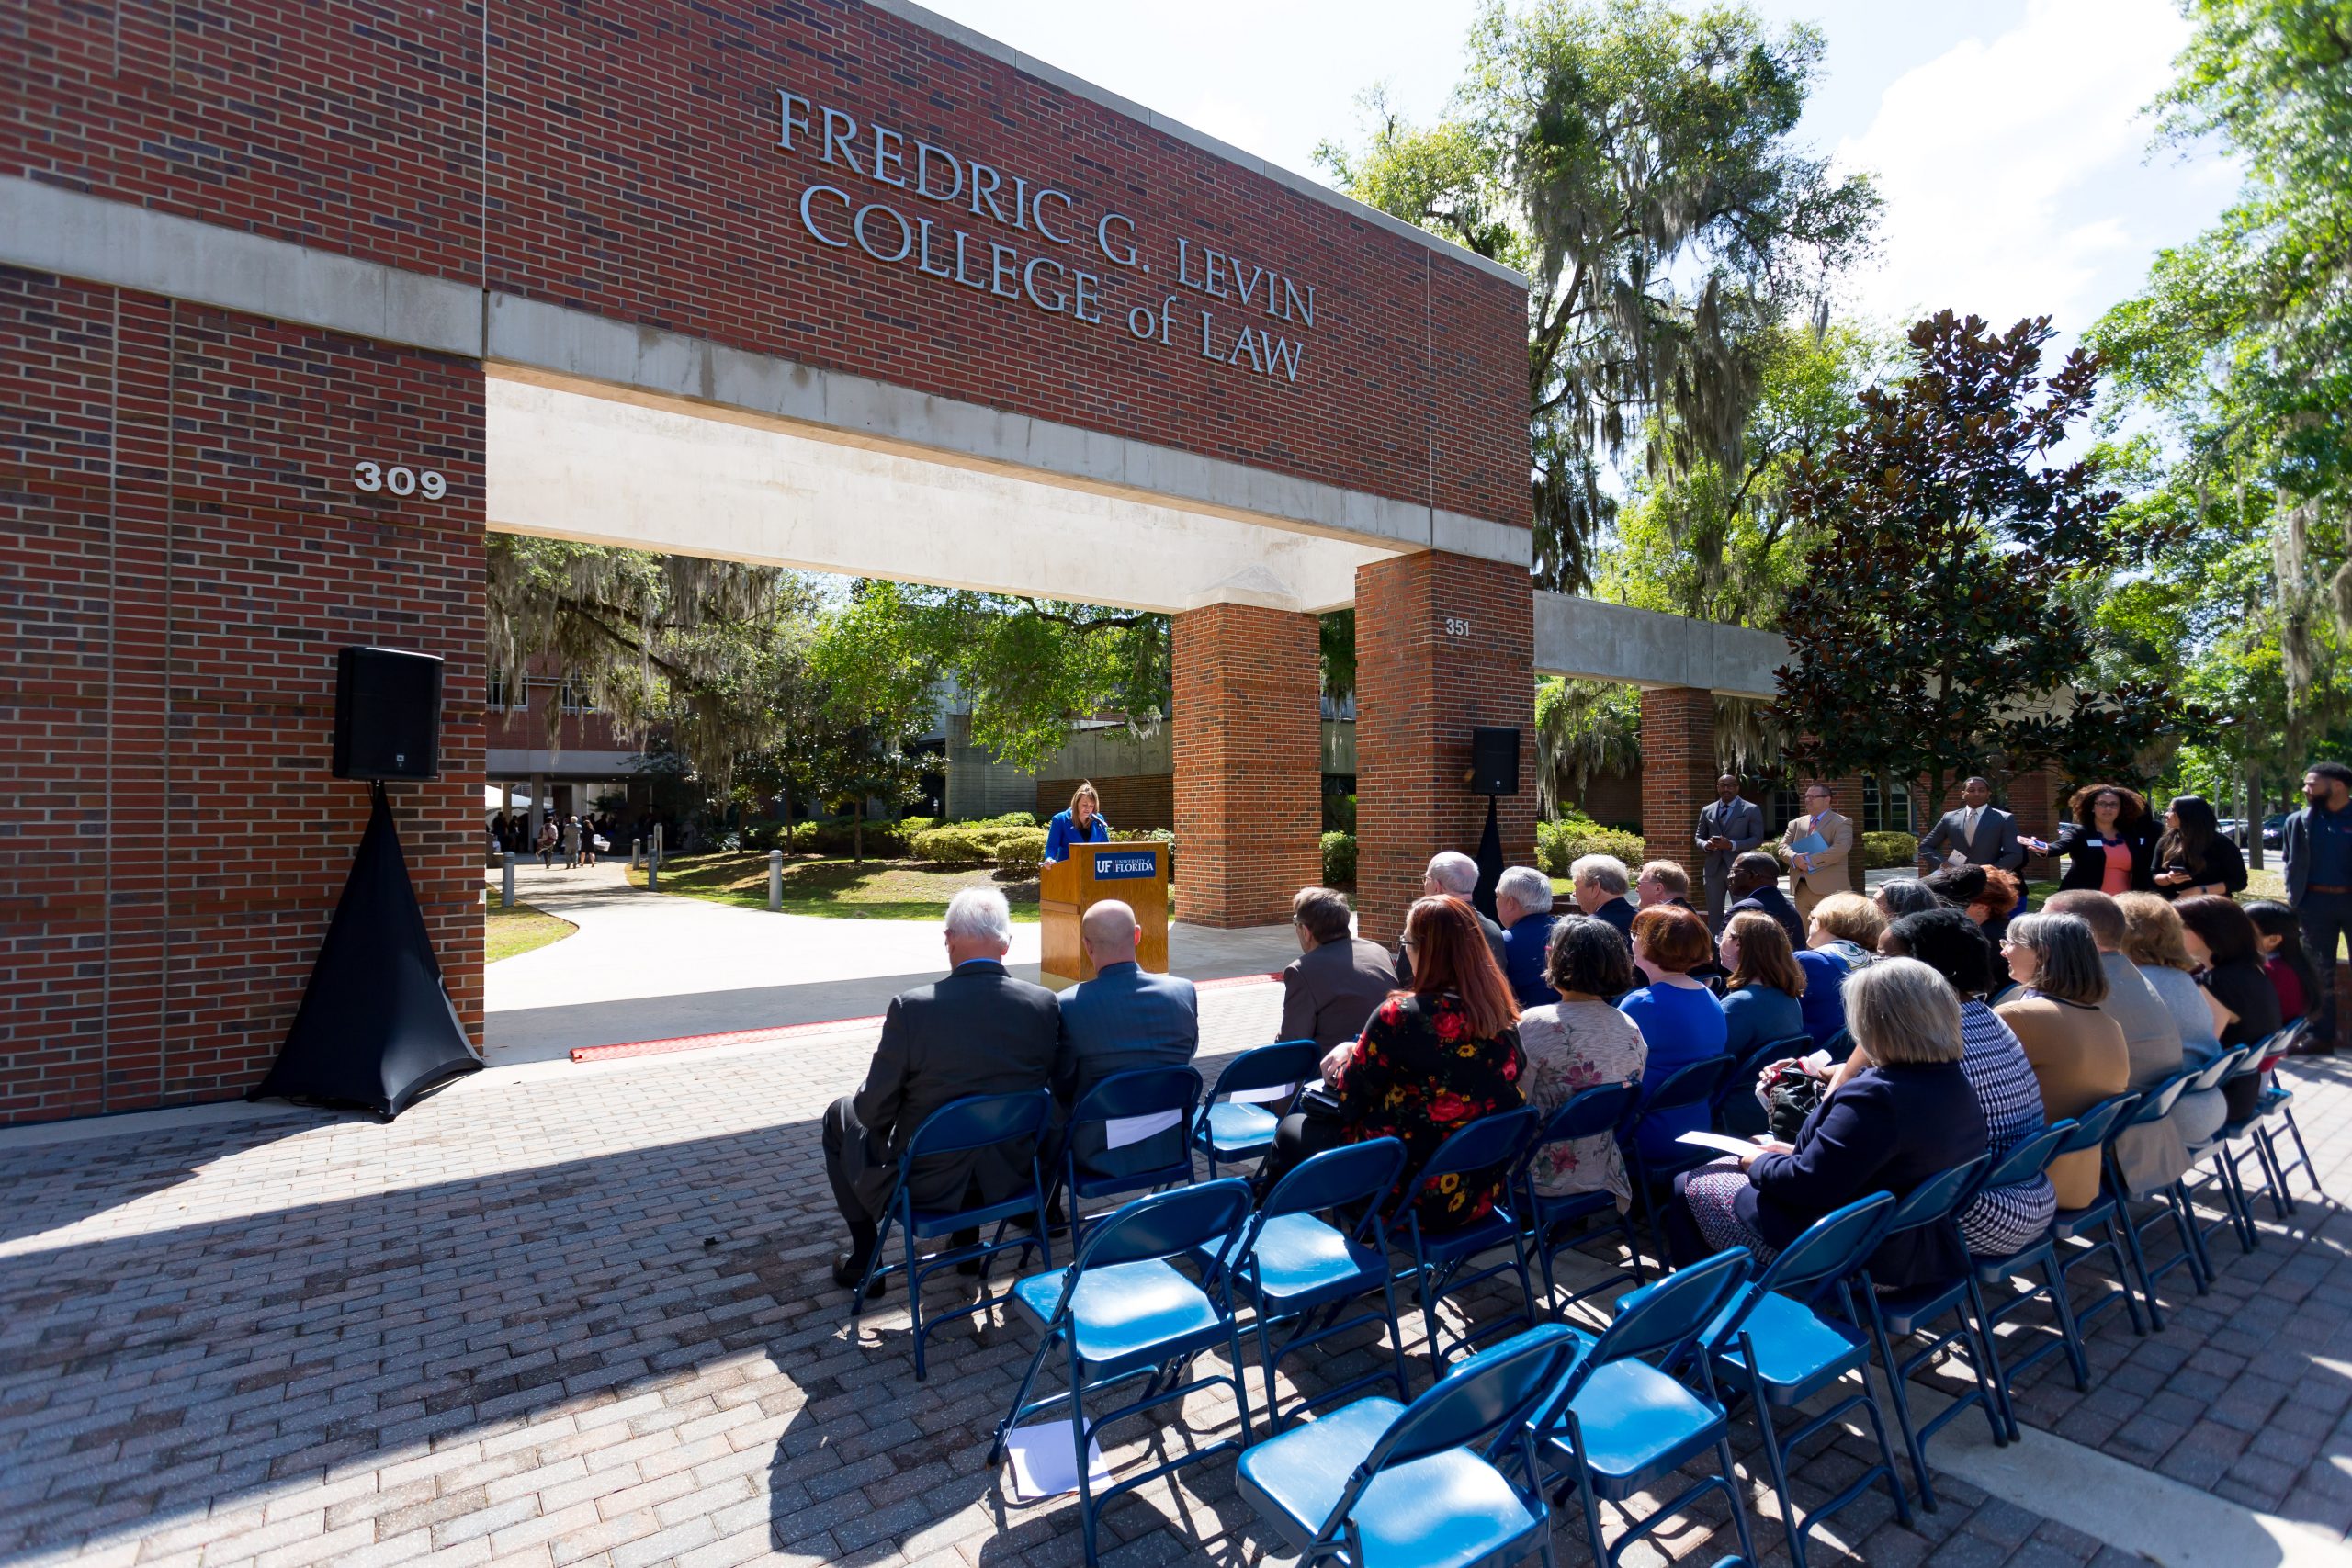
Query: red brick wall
[1249, 777]
[176, 494]
[1420, 691]
[1679, 774]
[1139, 800]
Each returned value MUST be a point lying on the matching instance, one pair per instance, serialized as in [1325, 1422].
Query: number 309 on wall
[373, 477]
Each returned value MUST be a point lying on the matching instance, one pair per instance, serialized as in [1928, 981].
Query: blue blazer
[1523, 954]
[1062, 833]
[1123, 1018]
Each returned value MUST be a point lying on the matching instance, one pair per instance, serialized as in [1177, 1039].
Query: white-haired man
[1451, 874]
[980, 1030]
[1523, 906]
[1598, 884]
[1123, 1018]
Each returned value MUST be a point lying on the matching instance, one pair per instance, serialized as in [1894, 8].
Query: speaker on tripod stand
[1494, 770]
[376, 1027]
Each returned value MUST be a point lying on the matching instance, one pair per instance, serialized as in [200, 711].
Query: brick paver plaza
[570, 1314]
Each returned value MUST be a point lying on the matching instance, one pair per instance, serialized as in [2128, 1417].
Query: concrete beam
[1595, 641]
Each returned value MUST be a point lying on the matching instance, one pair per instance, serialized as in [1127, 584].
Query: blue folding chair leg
[1908, 1313]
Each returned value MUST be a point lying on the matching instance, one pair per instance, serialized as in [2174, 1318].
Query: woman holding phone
[2111, 844]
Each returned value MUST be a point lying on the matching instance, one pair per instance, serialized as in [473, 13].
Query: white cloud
[2013, 170]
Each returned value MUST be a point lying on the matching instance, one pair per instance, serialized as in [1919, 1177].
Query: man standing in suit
[1728, 830]
[1979, 833]
[1453, 874]
[2317, 847]
[1817, 876]
[1330, 988]
[980, 1030]
[1121, 1019]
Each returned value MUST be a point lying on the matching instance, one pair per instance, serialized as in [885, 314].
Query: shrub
[1338, 812]
[1147, 836]
[1558, 844]
[1338, 860]
[1883, 850]
[980, 843]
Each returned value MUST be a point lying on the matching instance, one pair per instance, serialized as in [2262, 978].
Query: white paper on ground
[1729, 1145]
[1045, 1463]
[1257, 1096]
[1118, 1131]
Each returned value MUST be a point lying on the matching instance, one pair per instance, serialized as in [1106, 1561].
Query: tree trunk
[2253, 815]
[784, 798]
[857, 834]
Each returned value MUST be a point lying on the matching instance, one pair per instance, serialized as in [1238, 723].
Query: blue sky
[2006, 134]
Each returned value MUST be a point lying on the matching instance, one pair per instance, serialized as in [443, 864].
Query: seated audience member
[1338, 977]
[2151, 1157]
[1762, 999]
[1523, 907]
[1842, 937]
[1992, 909]
[1901, 896]
[1661, 882]
[1122, 1018]
[1431, 1060]
[1998, 1220]
[1680, 1020]
[1453, 874]
[2152, 940]
[1579, 1043]
[2279, 932]
[1898, 1111]
[1599, 884]
[2226, 946]
[1756, 885]
[1958, 885]
[2193, 856]
[2077, 1051]
[980, 1030]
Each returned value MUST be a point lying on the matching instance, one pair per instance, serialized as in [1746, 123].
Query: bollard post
[636, 853]
[775, 879]
[653, 862]
[506, 883]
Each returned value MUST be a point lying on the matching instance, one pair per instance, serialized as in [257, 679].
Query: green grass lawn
[876, 890]
[506, 933]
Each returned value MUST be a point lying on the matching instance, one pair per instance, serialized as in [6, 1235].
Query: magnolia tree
[1936, 632]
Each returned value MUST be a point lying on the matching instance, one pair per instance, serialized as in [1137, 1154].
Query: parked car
[2233, 828]
[2274, 827]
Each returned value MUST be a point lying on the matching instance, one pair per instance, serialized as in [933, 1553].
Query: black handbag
[1793, 1097]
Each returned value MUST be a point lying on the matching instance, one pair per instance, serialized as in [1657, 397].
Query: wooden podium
[1135, 872]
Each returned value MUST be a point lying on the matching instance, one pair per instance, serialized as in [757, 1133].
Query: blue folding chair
[1418, 1485]
[1839, 1045]
[975, 1121]
[1769, 1344]
[1693, 1084]
[1486, 1149]
[1605, 1108]
[2271, 1098]
[2221, 1173]
[1123, 1312]
[1301, 1272]
[2081, 1235]
[1143, 1092]
[2171, 1200]
[1903, 1314]
[1230, 1131]
[1618, 1425]
[2027, 1158]
[1735, 1109]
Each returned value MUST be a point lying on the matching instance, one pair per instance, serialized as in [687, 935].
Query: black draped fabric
[376, 1028]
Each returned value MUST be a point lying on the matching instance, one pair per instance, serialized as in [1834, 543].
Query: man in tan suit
[1815, 877]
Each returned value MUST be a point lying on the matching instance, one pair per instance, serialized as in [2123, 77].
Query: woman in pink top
[2109, 845]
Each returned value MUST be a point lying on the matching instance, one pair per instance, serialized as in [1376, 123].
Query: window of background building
[494, 691]
[1782, 807]
[1886, 816]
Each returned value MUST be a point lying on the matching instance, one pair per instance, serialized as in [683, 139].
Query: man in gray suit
[980, 1030]
[1980, 832]
[1330, 988]
[1728, 829]
[1121, 1019]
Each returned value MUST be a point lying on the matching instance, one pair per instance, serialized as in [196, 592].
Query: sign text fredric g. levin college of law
[1046, 258]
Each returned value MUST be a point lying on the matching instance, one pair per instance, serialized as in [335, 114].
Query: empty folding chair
[1419, 1486]
[1605, 1108]
[1619, 1425]
[1234, 1124]
[1484, 1150]
[1299, 1273]
[1770, 1345]
[1123, 1312]
[975, 1121]
[1140, 1121]
[1902, 1316]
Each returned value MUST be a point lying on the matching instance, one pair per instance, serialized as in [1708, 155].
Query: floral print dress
[1419, 1076]
[1571, 1047]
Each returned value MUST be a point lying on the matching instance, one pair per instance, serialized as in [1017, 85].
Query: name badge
[2093, 843]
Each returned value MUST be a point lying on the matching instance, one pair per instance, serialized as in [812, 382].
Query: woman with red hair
[1431, 1060]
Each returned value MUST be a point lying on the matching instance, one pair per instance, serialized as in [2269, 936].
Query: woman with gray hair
[1897, 1112]
[2077, 1051]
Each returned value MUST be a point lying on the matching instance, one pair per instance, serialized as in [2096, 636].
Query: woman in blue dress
[1680, 1020]
[1082, 824]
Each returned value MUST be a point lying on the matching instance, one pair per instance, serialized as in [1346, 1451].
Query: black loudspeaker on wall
[387, 714]
[1494, 760]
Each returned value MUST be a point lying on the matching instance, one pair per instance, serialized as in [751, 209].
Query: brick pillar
[1249, 742]
[1445, 643]
[1679, 774]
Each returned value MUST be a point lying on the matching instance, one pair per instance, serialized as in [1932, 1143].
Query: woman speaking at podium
[1082, 824]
